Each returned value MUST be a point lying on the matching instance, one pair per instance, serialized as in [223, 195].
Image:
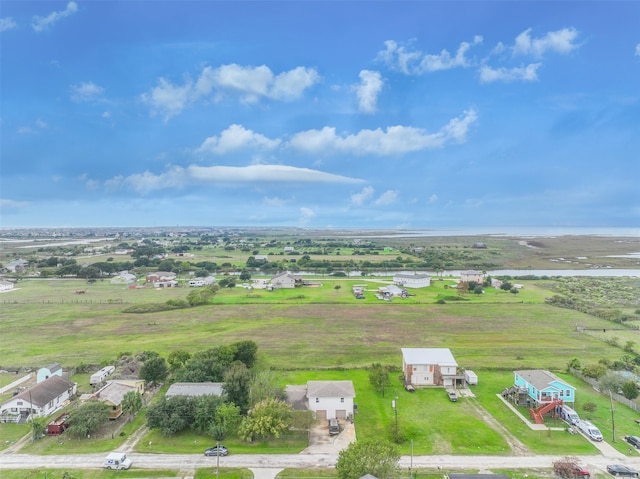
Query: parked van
[590, 430]
[569, 415]
[117, 460]
[334, 427]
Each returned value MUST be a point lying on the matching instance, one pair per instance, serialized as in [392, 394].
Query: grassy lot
[88, 474]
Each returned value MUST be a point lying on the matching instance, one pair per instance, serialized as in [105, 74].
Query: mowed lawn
[334, 330]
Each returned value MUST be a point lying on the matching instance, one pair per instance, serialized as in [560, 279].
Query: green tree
[610, 382]
[204, 412]
[87, 418]
[264, 385]
[574, 363]
[268, 419]
[177, 359]
[38, 427]
[154, 370]
[237, 381]
[171, 415]
[132, 403]
[246, 352]
[378, 377]
[226, 422]
[375, 457]
[630, 390]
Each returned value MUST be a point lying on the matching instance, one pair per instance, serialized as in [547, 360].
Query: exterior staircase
[537, 414]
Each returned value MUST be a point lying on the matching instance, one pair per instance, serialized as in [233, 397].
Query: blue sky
[320, 114]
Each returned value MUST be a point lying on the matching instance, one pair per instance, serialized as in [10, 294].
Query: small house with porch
[43, 399]
[544, 387]
[424, 367]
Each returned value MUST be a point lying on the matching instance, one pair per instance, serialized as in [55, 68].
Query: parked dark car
[620, 470]
[633, 440]
[560, 468]
[334, 427]
[217, 451]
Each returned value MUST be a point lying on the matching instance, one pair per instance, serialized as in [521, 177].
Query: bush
[589, 407]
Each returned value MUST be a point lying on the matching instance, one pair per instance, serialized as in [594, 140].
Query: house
[53, 369]
[97, 377]
[285, 280]
[412, 280]
[43, 399]
[496, 283]
[113, 393]
[391, 291]
[200, 282]
[6, 285]
[471, 275]
[16, 266]
[331, 399]
[123, 277]
[289, 249]
[543, 387]
[261, 257]
[430, 367]
[195, 389]
[160, 277]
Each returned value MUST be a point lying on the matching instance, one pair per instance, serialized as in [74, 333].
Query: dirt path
[132, 440]
[518, 448]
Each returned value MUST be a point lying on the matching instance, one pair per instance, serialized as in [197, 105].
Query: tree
[269, 418]
[245, 275]
[171, 415]
[630, 390]
[226, 421]
[574, 363]
[375, 457]
[132, 403]
[204, 412]
[177, 359]
[87, 418]
[611, 382]
[378, 377]
[236, 385]
[246, 352]
[38, 426]
[264, 385]
[154, 370]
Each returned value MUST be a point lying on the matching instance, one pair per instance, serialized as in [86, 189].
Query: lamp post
[394, 405]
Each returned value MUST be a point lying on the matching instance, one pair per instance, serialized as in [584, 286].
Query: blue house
[544, 387]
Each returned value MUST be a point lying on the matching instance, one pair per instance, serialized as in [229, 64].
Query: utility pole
[613, 424]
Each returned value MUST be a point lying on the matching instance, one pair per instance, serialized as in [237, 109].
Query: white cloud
[358, 199]
[41, 124]
[528, 73]
[106, 115]
[306, 215]
[398, 57]
[250, 83]
[7, 23]
[387, 198]
[85, 91]
[395, 140]
[561, 41]
[367, 91]
[433, 199]
[237, 137]
[178, 177]
[7, 203]
[638, 50]
[277, 202]
[40, 24]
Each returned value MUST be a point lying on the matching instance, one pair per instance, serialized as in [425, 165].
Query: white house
[430, 367]
[331, 399]
[43, 399]
[6, 285]
[406, 280]
[160, 277]
[53, 369]
[98, 377]
[16, 266]
[123, 277]
[285, 280]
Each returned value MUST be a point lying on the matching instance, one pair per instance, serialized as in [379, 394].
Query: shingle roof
[333, 389]
[45, 391]
[539, 378]
[439, 356]
[113, 392]
[195, 389]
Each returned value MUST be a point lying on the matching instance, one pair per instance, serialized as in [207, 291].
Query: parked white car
[591, 431]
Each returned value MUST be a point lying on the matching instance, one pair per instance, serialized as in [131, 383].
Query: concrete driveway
[320, 442]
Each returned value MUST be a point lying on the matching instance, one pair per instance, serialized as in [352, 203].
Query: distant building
[412, 280]
[195, 389]
[53, 369]
[468, 276]
[6, 285]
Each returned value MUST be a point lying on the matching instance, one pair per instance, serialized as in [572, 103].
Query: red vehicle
[58, 425]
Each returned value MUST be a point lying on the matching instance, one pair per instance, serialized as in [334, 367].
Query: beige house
[471, 275]
[285, 280]
[113, 393]
[424, 367]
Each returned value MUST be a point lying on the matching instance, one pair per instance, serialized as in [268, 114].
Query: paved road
[276, 461]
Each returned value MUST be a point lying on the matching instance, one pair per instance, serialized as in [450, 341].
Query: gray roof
[439, 356]
[539, 378]
[195, 389]
[53, 367]
[113, 392]
[332, 389]
[45, 391]
[411, 276]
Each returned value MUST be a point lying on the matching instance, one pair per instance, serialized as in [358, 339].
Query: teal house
[543, 387]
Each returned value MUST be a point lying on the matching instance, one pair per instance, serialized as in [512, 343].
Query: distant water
[521, 231]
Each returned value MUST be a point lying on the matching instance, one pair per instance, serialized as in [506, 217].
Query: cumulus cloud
[528, 73]
[561, 41]
[41, 24]
[395, 140]
[306, 215]
[237, 137]
[386, 198]
[638, 50]
[85, 91]
[177, 177]
[414, 62]
[7, 23]
[13, 204]
[249, 84]
[433, 199]
[358, 199]
[367, 90]
[276, 201]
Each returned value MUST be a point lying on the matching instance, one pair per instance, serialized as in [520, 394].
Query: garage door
[322, 414]
[341, 413]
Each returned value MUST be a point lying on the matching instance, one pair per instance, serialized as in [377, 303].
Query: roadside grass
[12, 433]
[85, 473]
[223, 473]
[291, 473]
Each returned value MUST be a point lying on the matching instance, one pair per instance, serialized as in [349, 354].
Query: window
[19, 403]
[317, 400]
[430, 368]
[561, 393]
[568, 393]
[341, 399]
